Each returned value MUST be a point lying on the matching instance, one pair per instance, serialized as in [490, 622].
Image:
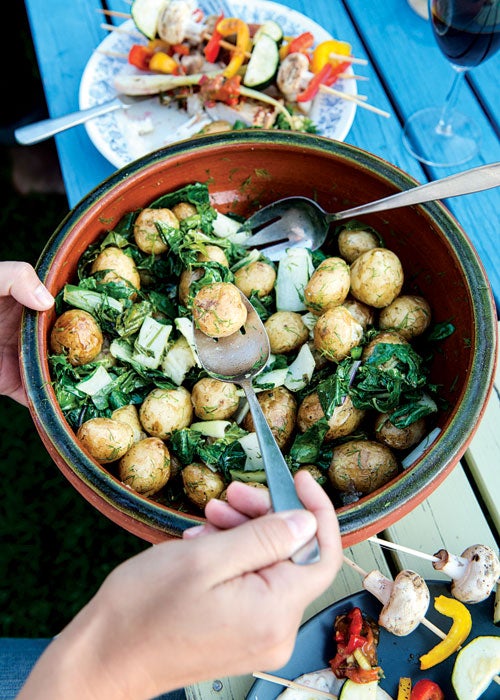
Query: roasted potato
[354, 242]
[408, 314]
[107, 440]
[377, 277]
[315, 472]
[398, 438]
[77, 335]
[280, 409]
[183, 210]
[257, 276]
[389, 337]
[212, 253]
[213, 399]
[201, 483]
[118, 267]
[146, 466]
[363, 314]
[361, 466]
[218, 310]
[286, 331]
[146, 232]
[343, 421]
[166, 410]
[328, 286]
[130, 415]
[336, 333]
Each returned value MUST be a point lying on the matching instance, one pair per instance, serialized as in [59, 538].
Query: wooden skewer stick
[353, 98]
[351, 59]
[402, 548]
[348, 76]
[119, 30]
[114, 13]
[292, 684]
[225, 44]
[113, 54]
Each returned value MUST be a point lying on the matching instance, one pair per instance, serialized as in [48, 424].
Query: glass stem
[444, 126]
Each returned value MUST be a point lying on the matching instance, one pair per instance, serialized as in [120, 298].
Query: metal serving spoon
[239, 358]
[301, 222]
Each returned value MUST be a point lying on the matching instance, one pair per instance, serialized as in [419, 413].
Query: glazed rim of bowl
[153, 521]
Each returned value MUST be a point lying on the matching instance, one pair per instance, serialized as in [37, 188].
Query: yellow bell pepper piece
[459, 631]
[228, 27]
[321, 54]
[163, 63]
[404, 689]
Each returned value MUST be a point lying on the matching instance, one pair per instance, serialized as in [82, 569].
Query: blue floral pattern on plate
[122, 136]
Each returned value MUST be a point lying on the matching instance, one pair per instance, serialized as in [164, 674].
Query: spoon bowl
[239, 358]
[295, 222]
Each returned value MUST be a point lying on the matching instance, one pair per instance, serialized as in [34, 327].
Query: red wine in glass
[468, 33]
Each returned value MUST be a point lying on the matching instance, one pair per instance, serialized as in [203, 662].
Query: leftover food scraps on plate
[260, 68]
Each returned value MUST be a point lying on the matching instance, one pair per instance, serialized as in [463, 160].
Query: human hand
[225, 603]
[19, 286]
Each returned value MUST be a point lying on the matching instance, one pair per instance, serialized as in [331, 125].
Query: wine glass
[467, 32]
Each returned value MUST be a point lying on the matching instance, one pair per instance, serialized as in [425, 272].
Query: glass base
[434, 142]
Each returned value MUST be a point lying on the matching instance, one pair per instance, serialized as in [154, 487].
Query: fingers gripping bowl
[243, 171]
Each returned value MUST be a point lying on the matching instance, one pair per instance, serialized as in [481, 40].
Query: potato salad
[346, 390]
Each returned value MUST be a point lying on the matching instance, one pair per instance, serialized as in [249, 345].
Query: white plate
[118, 135]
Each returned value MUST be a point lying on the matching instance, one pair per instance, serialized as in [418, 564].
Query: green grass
[55, 549]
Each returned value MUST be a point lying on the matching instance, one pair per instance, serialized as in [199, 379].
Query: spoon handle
[478, 179]
[279, 479]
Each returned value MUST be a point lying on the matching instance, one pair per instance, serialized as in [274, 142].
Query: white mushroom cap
[407, 604]
[474, 581]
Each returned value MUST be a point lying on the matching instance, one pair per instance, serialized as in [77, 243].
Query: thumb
[19, 280]
[259, 542]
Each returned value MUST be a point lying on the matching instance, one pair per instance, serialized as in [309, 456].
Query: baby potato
[354, 242]
[315, 472]
[377, 277]
[146, 466]
[166, 410]
[328, 286]
[146, 233]
[286, 331]
[257, 276]
[76, 334]
[363, 314]
[280, 410]
[336, 333]
[183, 210]
[105, 439]
[130, 415]
[213, 399]
[409, 315]
[218, 309]
[361, 466]
[186, 279]
[398, 438]
[213, 253]
[389, 337]
[118, 267]
[201, 484]
[343, 421]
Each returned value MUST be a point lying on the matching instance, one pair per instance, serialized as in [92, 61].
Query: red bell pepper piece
[212, 47]
[426, 690]
[139, 56]
[301, 43]
[326, 76]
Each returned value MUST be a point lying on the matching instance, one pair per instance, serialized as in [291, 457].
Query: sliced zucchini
[263, 63]
[145, 14]
[475, 666]
[272, 29]
[358, 691]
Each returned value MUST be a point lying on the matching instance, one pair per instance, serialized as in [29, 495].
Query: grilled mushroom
[473, 574]
[405, 600]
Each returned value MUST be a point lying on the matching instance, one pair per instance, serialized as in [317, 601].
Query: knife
[44, 129]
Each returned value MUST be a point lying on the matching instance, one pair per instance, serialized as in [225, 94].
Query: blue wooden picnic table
[406, 72]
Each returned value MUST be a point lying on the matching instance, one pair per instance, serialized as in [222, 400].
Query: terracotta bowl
[245, 170]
